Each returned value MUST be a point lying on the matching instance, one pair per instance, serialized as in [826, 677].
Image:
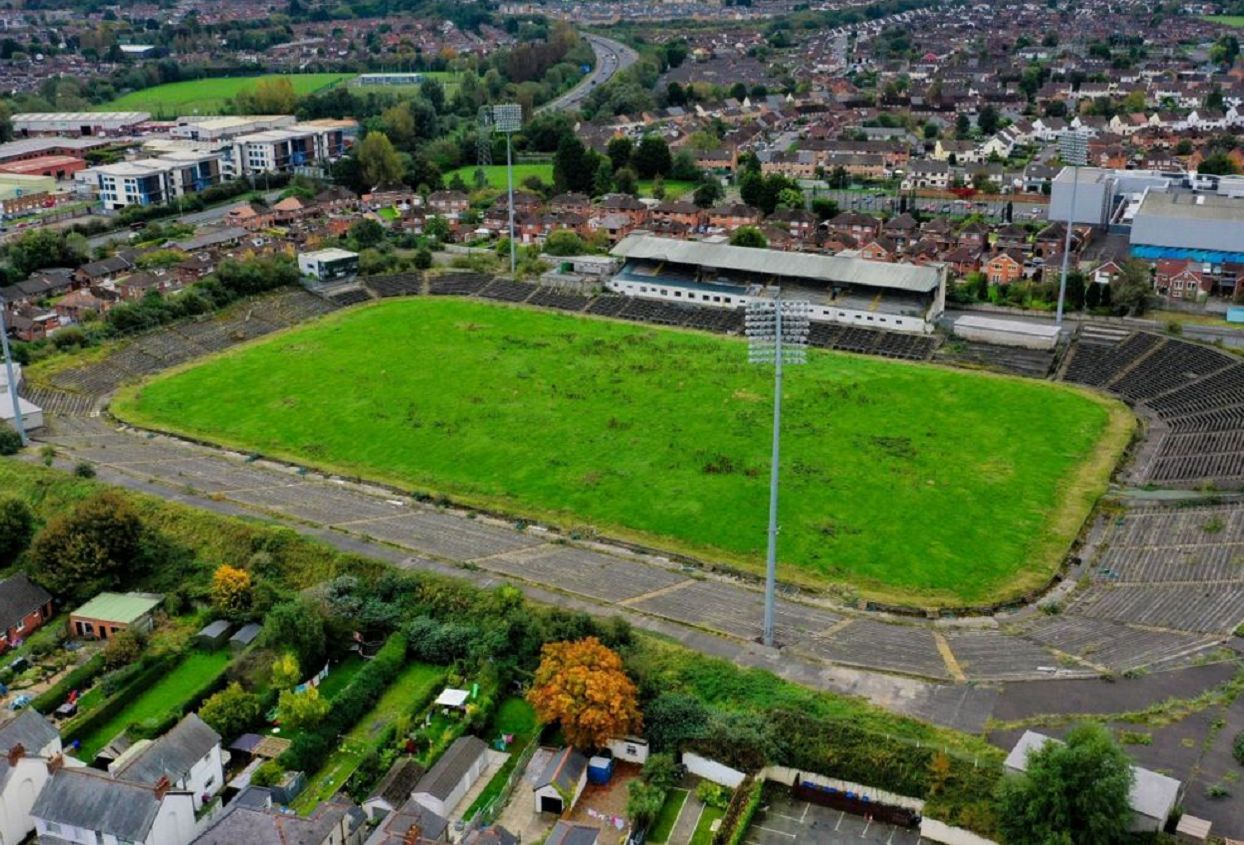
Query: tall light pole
[508, 119]
[10, 377]
[1073, 150]
[777, 334]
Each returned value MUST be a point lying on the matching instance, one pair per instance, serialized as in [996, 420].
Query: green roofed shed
[109, 613]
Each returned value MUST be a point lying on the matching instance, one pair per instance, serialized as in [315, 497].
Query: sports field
[210, 96]
[1226, 20]
[907, 482]
[495, 173]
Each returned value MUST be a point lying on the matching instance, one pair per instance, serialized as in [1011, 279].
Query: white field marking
[867, 824]
[841, 813]
[891, 836]
[805, 812]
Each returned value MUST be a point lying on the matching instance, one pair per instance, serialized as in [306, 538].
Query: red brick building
[24, 607]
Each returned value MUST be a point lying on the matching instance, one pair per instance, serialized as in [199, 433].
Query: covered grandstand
[854, 291]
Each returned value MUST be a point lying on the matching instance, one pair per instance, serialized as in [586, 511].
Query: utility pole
[777, 334]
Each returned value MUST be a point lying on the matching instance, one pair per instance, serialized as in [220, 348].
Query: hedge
[79, 677]
[739, 812]
[118, 701]
[349, 706]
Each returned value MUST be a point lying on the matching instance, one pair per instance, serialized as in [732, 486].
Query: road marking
[805, 812]
[841, 813]
[948, 657]
[891, 837]
[774, 830]
[681, 585]
[867, 824]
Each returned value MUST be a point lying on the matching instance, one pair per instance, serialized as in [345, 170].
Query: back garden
[422, 633]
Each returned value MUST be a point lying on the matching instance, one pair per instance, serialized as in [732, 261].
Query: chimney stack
[162, 787]
[16, 753]
[413, 835]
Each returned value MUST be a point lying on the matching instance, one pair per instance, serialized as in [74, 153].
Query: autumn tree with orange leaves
[583, 686]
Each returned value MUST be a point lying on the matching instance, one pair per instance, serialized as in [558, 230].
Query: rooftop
[119, 607]
[1192, 206]
[453, 765]
[775, 263]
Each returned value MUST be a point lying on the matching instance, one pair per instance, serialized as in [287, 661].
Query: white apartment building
[153, 181]
[298, 148]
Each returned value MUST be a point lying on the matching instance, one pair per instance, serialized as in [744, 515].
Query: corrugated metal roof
[119, 607]
[801, 266]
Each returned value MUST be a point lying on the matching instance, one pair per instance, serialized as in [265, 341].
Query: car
[21, 701]
[945, 208]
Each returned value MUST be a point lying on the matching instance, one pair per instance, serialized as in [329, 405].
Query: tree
[658, 187]
[824, 208]
[619, 151]
[790, 198]
[602, 181]
[1217, 163]
[652, 157]
[89, 548]
[963, 125]
[707, 193]
[673, 718]
[17, 526]
[564, 242]
[1129, 292]
[583, 686]
[379, 161]
[231, 711]
[231, 590]
[286, 672]
[269, 96]
[366, 232]
[643, 802]
[749, 236]
[10, 440]
[626, 181]
[300, 710]
[1072, 793]
[296, 626]
[123, 648]
[987, 120]
[423, 258]
[573, 167]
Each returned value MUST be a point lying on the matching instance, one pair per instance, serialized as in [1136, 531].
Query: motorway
[611, 57]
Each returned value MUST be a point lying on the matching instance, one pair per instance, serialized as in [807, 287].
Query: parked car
[21, 701]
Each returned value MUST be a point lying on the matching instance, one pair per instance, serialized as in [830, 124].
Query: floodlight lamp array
[507, 117]
[761, 325]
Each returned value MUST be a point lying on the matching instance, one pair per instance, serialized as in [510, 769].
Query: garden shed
[559, 785]
[452, 776]
[109, 613]
[214, 635]
[245, 636]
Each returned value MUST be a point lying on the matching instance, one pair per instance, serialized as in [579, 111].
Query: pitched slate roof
[563, 770]
[568, 833]
[18, 597]
[27, 729]
[94, 800]
[244, 825]
[398, 783]
[448, 772]
[173, 754]
[494, 835]
[397, 824]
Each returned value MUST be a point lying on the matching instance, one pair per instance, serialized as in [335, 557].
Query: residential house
[31, 750]
[731, 216]
[677, 211]
[558, 787]
[491, 835]
[394, 789]
[104, 270]
[858, 226]
[24, 607]
[251, 819]
[879, 249]
[974, 235]
[926, 173]
[902, 229]
[448, 203]
[74, 306]
[188, 756]
[571, 204]
[89, 807]
[622, 204]
[410, 824]
[573, 833]
[1005, 267]
[449, 779]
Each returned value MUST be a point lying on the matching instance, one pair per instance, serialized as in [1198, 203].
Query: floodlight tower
[507, 119]
[777, 334]
[1073, 150]
[10, 378]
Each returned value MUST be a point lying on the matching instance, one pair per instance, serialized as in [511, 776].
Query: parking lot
[787, 820]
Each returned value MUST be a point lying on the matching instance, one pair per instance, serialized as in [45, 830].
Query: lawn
[411, 688]
[167, 694]
[210, 96]
[664, 824]
[704, 830]
[544, 172]
[1226, 20]
[910, 482]
[514, 716]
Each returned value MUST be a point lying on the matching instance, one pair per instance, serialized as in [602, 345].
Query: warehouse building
[108, 123]
[854, 291]
[56, 166]
[28, 148]
[1094, 195]
[153, 181]
[1195, 225]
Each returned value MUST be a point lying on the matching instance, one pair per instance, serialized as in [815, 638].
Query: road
[611, 57]
[195, 218]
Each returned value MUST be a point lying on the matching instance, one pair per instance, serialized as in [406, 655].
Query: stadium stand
[458, 284]
[559, 299]
[396, 284]
[352, 296]
[505, 290]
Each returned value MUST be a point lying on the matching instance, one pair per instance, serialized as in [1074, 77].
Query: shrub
[662, 771]
[10, 440]
[84, 469]
[298, 710]
[739, 812]
[17, 526]
[643, 802]
[231, 590]
[713, 794]
[122, 649]
[232, 710]
[1237, 748]
[268, 773]
[47, 454]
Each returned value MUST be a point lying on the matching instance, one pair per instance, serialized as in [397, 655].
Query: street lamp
[507, 119]
[777, 334]
[18, 422]
[1073, 150]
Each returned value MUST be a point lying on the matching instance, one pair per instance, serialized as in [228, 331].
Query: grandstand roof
[772, 262]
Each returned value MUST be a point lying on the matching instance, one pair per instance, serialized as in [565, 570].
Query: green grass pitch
[210, 96]
[908, 482]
